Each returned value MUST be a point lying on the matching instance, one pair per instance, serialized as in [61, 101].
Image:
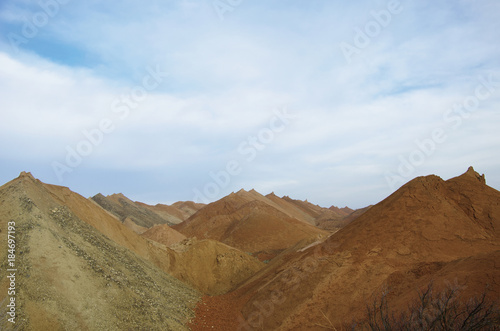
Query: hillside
[70, 276]
[341, 211]
[56, 202]
[430, 229]
[212, 267]
[164, 235]
[300, 210]
[336, 221]
[80, 267]
[250, 222]
[125, 209]
[175, 213]
[330, 219]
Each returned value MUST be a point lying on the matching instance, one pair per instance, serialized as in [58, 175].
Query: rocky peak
[25, 174]
[471, 172]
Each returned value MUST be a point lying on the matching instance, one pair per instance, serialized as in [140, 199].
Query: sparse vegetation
[443, 310]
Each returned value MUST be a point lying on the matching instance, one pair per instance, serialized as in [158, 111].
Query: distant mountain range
[244, 262]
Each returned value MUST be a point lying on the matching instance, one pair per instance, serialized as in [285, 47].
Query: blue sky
[338, 103]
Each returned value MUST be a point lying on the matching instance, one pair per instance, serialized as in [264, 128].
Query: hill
[164, 234]
[175, 213]
[212, 267]
[341, 211]
[125, 209]
[250, 222]
[429, 229]
[71, 276]
[88, 243]
[301, 210]
[331, 219]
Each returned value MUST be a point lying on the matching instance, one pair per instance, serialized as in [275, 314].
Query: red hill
[248, 221]
[164, 234]
[430, 229]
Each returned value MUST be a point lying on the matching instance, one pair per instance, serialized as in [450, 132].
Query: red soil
[221, 313]
[430, 229]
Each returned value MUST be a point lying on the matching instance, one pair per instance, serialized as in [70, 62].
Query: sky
[336, 102]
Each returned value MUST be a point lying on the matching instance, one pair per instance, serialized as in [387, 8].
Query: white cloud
[226, 77]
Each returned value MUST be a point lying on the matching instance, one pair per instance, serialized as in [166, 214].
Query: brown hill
[124, 208]
[300, 210]
[72, 277]
[195, 264]
[330, 219]
[347, 210]
[355, 214]
[187, 208]
[86, 234]
[164, 234]
[314, 210]
[175, 213]
[430, 229]
[342, 211]
[246, 220]
[333, 221]
[278, 203]
[133, 226]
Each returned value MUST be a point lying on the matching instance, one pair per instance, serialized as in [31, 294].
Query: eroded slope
[70, 276]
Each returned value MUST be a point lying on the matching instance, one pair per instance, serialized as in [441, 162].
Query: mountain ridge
[429, 230]
[248, 221]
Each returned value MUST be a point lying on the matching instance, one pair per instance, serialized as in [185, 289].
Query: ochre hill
[164, 234]
[337, 221]
[80, 267]
[187, 208]
[175, 213]
[139, 216]
[430, 229]
[250, 222]
[71, 276]
[127, 210]
[213, 267]
[341, 211]
[330, 219]
[80, 227]
[301, 210]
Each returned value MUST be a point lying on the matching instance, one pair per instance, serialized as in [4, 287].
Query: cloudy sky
[332, 101]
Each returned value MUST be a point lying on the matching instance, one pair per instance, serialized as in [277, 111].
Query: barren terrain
[246, 261]
[430, 229]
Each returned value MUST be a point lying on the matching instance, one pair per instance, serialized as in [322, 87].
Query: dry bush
[444, 310]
